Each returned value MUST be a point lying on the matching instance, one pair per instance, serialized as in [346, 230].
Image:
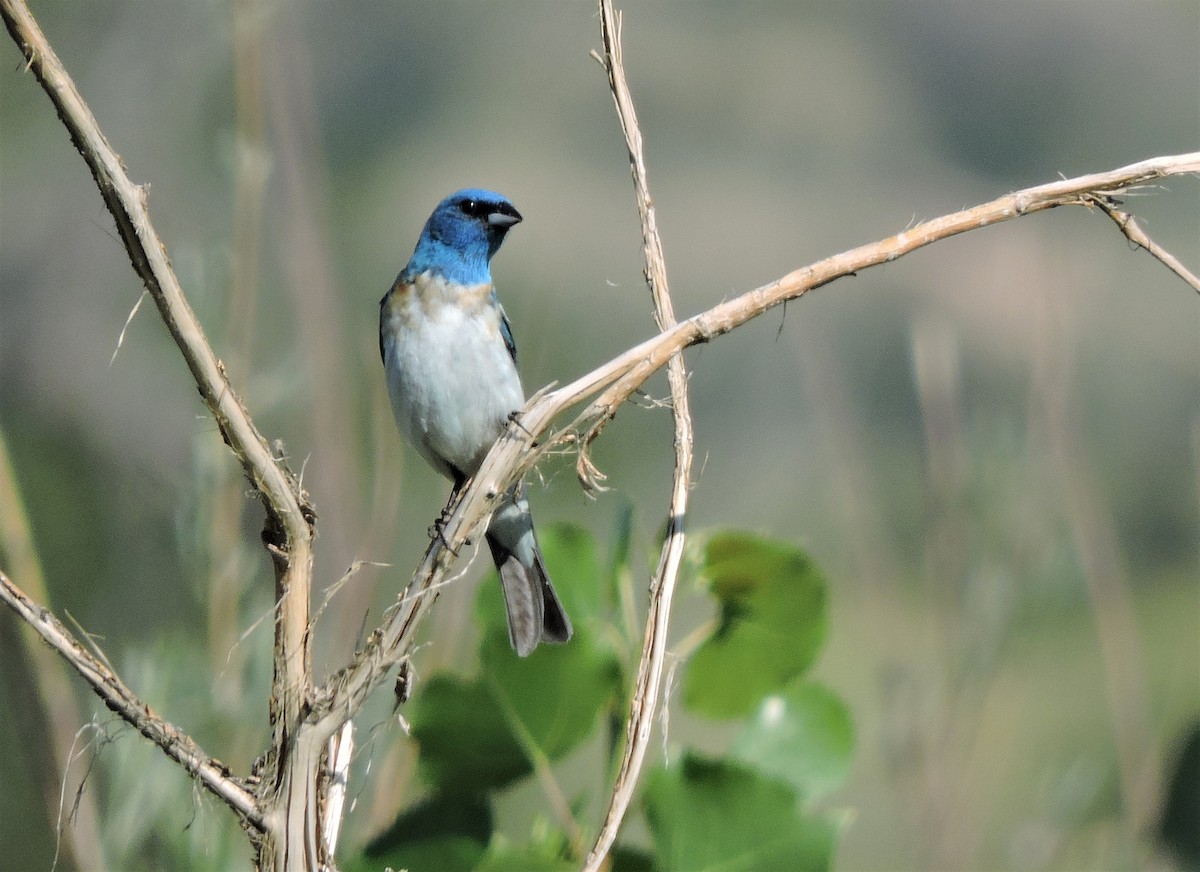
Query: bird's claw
[514, 418]
[437, 530]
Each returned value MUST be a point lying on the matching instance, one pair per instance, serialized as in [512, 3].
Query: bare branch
[650, 667]
[621, 376]
[177, 745]
[288, 532]
[128, 204]
[1133, 231]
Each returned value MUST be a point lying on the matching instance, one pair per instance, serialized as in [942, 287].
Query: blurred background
[991, 447]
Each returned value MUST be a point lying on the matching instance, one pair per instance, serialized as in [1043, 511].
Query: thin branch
[622, 375]
[289, 526]
[520, 448]
[1133, 231]
[176, 744]
[644, 700]
[128, 204]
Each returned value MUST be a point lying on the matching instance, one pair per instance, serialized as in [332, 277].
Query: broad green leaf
[448, 854]
[466, 746]
[573, 562]
[631, 860]
[448, 833]
[802, 735]
[771, 625]
[553, 697]
[719, 816]
[480, 734]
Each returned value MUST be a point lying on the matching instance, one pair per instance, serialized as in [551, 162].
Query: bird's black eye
[474, 208]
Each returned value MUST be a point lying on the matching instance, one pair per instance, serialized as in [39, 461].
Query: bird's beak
[503, 218]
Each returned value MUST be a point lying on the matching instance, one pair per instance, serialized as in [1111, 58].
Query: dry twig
[650, 667]
[179, 746]
[1133, 231]
[289, 522]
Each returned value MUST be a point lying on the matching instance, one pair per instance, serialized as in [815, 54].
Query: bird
[451, 368]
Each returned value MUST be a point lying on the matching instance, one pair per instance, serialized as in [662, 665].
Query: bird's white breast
[450, 377]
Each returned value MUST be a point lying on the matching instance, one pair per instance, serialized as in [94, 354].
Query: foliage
[749, 808]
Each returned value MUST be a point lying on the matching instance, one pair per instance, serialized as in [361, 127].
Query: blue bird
[451, 367]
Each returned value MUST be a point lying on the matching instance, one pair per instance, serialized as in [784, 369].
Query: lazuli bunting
[451, 368]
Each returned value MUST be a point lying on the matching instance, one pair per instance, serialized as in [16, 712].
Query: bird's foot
[437, 530]
[514, 418]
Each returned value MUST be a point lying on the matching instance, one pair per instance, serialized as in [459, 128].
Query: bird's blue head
[462, 234]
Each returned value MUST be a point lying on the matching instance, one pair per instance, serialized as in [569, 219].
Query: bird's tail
[535, 613]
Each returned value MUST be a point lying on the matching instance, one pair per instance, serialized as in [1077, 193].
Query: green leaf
[571, 555]
[803, 736]
[449, 833]
[715, 815]
[449, 854]
[771, 627]
[554, 697]
[631, 860]
[480, 734]
[466, 744]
